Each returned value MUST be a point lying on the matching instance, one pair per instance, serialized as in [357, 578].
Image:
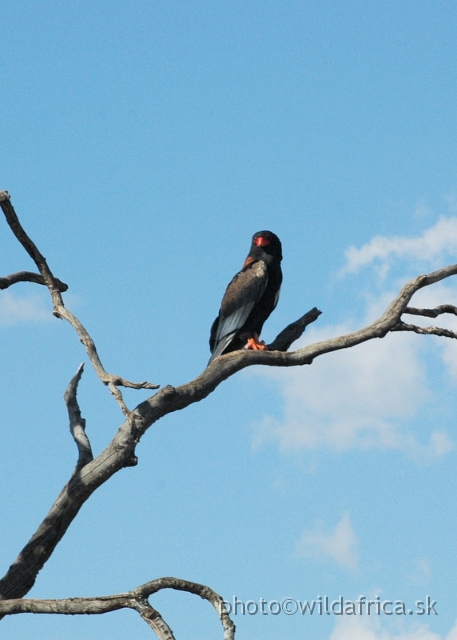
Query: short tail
[220, 347]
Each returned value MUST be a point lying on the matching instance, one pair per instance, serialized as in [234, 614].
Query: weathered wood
[92, 473]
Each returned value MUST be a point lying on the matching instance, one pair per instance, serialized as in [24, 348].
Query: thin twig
[435, 331]
[293, 331]
[77, 422]
[432, 313]
[28, 276]
[55, 287]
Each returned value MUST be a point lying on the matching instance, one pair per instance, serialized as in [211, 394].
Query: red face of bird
[261, 241]
[268, 241]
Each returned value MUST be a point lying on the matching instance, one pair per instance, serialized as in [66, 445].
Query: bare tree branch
[435, 331]
[120, 452]
[28, 276]
[77, 422]
[432, 313]
[135, 599]
[154, 619]
[199, 590]
[293, 331]
[54, 286]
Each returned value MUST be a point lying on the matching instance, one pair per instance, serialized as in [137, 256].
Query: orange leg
[255, 344]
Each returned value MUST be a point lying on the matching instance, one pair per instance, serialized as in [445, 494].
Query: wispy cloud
[338, 544]
[370, 628]
[371, 396]
[15, 309]
[443, 292]
[356, 398]
[434, 243]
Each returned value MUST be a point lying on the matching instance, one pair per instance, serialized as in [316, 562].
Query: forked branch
[92, 473]
[136, 599]
[55, 287]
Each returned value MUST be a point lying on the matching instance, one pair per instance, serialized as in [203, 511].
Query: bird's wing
[246, 288]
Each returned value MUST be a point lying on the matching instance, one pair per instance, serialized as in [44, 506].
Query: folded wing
[240, 297]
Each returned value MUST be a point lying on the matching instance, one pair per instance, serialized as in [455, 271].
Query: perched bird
[249, 298]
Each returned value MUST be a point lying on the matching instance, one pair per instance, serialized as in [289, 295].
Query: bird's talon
[255, 344]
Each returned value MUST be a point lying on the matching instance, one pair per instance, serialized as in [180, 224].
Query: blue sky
[143, 144]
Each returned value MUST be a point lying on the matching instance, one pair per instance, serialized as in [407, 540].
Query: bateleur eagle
[249, 298]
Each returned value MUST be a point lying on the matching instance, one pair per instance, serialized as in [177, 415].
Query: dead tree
[90, 473]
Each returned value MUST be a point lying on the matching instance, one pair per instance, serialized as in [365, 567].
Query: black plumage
[249, 298]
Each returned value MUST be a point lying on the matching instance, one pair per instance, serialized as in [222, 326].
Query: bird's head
[268, 242]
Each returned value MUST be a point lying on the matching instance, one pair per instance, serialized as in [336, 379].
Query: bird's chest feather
[267, 301]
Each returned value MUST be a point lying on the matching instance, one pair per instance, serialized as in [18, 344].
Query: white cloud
[441, 293]
[431, 297]
[354, 398]
[434, 243]
[15, 309]
[369, 396]
[338, 545]
[370, 628]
